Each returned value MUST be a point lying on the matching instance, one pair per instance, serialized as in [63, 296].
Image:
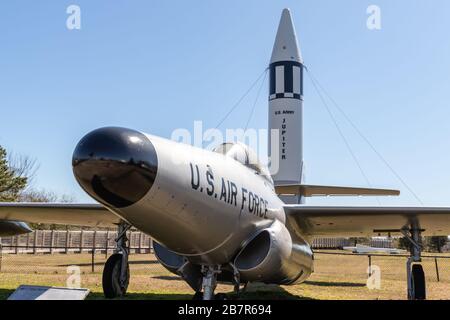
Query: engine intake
[274, 256]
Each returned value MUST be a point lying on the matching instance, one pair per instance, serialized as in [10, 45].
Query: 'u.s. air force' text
[229, 192]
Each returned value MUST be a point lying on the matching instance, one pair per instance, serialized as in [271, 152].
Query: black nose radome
[116, 166]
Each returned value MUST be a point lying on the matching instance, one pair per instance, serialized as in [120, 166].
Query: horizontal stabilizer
[317, 191]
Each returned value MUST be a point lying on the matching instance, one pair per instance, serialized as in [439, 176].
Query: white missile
[286, 105]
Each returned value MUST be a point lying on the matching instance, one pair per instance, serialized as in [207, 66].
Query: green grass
[335, 277]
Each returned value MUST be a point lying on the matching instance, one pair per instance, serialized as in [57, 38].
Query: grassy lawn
[335, 277]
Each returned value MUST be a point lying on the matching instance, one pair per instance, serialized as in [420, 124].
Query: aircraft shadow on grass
[260, 294]
[5, 293]
[252, 295]
[256, 291]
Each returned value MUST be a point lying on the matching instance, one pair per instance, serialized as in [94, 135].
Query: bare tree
[41, 195]
[34, 195]
[26, 167]
[23, 166]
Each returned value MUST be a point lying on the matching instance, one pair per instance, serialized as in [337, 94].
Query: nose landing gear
[116, 274]
[414, 270]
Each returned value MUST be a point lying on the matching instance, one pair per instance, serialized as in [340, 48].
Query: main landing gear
[116, 274]
[414, 270]
[209, 283]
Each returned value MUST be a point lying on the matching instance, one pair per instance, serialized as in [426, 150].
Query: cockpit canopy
[243, 154]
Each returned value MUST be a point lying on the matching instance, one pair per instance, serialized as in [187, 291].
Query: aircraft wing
[314, 190]
[315, 221]
[89, 215]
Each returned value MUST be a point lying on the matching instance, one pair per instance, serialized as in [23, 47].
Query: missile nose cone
[286, 46]
[115, 166]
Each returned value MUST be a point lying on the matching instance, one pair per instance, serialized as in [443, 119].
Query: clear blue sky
[159, 65]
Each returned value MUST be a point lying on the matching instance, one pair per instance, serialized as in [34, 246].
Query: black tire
[198, 296]
[418, 282]
[221, 296]
[111, 275]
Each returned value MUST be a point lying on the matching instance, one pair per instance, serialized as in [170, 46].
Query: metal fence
[339, 243]
[436, 267]
[78, 241]
[70, 241]
[337, 275]
[350, 270]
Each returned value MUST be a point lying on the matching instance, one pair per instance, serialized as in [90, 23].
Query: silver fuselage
[206, 215]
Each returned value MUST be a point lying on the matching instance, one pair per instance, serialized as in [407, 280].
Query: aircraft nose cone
[116, 166]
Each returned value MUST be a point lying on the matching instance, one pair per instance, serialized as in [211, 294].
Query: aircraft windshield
[243, 154]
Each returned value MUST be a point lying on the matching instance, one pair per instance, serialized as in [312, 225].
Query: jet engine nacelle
[13, 228]
[274, 256]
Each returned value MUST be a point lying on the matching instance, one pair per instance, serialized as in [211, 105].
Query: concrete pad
[25, 292]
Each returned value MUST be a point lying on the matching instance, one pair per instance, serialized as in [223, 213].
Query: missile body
[286, 105]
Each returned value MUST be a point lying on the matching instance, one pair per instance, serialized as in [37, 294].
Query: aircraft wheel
[221, 296]
[198, 296]
[418, 282]
[112, 287]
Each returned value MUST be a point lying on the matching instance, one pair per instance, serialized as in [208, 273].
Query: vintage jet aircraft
[219, 215]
